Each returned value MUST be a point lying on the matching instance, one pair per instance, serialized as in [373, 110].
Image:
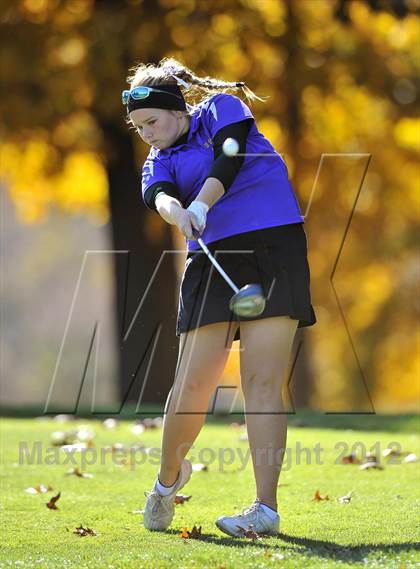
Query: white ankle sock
[164, 490]
[272, 514]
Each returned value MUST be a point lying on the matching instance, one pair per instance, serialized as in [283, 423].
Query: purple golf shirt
[261, 195]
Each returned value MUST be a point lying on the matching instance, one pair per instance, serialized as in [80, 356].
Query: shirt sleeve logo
[147, 171]
[212, 109]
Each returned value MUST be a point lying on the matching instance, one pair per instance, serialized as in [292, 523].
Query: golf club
[248, 300]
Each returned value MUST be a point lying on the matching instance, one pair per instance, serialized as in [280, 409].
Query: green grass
[378, 528]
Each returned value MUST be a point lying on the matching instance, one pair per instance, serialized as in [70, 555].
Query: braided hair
[170, 71]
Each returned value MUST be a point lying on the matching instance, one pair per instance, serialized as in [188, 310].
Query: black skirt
[274, 257]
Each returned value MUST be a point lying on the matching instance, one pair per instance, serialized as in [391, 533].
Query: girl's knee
[262, 383]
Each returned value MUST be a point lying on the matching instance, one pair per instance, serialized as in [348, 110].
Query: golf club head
[248, 301]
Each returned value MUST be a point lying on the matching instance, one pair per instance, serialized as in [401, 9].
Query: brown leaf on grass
[281, 484]
[75, 447]
[249, 533]
[195, 533]
[39, 489]
[350, 459]
[317, 497]
[388, 452]
[51, 504]
[346, 499]
[392, 452]
[60, 438]
[200, 467]
[76, 471]
[82, 532]
[180, 498]
[81, 437]
[369, 465]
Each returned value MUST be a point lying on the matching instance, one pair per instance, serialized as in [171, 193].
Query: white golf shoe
[159, 510]
[252, 518]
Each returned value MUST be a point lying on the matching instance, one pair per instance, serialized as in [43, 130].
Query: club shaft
[216, 264]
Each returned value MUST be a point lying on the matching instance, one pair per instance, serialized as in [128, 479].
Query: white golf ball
[230, 147]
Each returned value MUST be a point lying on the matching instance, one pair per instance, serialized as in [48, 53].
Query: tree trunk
[301, 384]
[133, 272]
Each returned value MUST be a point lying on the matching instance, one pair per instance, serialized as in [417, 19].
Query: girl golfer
[244, 207]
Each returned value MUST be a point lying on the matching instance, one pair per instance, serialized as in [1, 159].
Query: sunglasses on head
[142, 93]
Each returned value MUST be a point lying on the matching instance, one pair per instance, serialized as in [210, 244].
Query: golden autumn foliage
[345, 91]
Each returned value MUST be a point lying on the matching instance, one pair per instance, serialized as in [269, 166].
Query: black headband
[155, 100]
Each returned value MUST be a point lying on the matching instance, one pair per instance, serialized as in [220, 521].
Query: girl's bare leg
[203, 353]
[265, 352]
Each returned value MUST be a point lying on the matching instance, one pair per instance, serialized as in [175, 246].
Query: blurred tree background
[341, 77]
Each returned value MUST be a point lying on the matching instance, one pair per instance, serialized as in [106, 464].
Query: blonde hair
[169, 71]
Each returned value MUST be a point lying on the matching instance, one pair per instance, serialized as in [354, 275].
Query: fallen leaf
[60, 438]
[137, 511]
[243, 437]
[350, 459]
[369, 465]
[155, 423]
[387, 452]
[149, 423]
[39, 489]
[62, 418]
[370, 457]
[138, 428]
[195, 533]
[110, 423]
[81, 531]
[76, 471]
[278, 485]
[410, 458]
[346, 499]
[83, 434]
[198, 467]
[76, 447]
[180, 498]
[118, 447]
[317, 497]
[51, 504]
[249, 532]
